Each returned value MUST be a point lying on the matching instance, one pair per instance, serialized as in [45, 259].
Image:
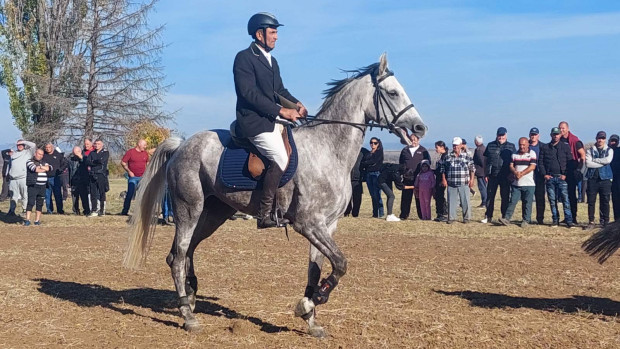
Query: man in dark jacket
[553, 164]
[409, 160]
[498, 156]
[539, 180]
[259, 86]
[97, 161]
[615, 169]
[6, 166]
[58, 164]
[480, 165]
[79, 181]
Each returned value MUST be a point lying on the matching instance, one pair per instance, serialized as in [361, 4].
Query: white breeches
[271, 146]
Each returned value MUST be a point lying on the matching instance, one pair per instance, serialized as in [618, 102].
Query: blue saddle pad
[233, 168]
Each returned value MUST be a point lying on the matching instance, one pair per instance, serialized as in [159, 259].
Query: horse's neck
[341, 142]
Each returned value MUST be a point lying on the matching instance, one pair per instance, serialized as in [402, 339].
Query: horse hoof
[304, 307]
[317, 332]
[192, 326]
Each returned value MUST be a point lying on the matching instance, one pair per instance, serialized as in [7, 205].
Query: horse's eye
[392, 93]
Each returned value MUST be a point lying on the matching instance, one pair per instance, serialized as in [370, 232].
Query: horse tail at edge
[604, 243]
[148, 202]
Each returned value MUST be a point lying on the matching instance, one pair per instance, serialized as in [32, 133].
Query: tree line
[77, 69]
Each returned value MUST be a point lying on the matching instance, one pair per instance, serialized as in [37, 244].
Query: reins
[379, 101]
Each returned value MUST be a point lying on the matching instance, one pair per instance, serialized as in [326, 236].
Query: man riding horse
[258, 86]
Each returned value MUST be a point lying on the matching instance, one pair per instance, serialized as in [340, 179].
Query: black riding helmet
[262, 20]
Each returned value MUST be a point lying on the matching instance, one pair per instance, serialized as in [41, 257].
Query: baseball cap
[457, 141]
[601, 134]
[464, 140]
[555, 131]
[534, 131]
[425, 162]
[501, 131]
[614, 137]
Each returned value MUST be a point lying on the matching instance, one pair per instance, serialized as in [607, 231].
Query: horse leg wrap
[322, 295]
[192, 281]
[183, 301]
[309, 292]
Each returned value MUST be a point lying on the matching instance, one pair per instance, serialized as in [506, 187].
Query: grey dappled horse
[313, 200]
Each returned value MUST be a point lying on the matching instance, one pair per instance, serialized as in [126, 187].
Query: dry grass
[410, 284]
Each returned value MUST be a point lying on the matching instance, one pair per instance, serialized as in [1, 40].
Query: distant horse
[313, 200]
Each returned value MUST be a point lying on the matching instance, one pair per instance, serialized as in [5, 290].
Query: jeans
[525, 194]
[166, 205]
[603, 189]
[557, 190]
[458, 195]
[390, 197]
[539, 195]
[482, 188]
[372, 181]
[504, 192]
[54, 185]
[132, 184]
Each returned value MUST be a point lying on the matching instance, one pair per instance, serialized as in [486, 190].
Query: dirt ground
[410, 284]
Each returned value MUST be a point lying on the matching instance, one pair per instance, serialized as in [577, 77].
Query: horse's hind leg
[322, 244]
[189, 233]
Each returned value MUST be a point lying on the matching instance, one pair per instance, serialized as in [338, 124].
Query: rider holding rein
[257, 84]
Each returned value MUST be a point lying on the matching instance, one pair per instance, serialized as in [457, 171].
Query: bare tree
[39, 66]
[123, 80]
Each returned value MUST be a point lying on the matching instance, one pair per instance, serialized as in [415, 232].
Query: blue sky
[468, 66]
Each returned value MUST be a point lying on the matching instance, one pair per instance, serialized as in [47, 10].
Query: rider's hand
[302, 110]
[289, 114]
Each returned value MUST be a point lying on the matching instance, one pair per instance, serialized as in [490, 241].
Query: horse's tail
[603, 243]
[148, 201]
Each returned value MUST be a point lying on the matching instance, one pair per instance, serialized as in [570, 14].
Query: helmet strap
[263, 43]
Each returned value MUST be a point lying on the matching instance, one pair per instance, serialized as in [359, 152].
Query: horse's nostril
[420, 128]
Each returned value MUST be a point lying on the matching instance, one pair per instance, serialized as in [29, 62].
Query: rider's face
[272, 37]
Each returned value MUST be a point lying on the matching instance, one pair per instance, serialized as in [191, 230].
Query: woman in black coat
[372, 163]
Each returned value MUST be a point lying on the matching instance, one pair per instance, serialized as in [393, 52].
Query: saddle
[241, 166]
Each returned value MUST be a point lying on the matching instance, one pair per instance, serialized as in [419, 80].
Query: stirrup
[278, 217]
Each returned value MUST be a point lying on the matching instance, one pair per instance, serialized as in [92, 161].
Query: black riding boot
[267, 214]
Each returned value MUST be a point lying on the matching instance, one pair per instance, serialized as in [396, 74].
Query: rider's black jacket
[256, 83]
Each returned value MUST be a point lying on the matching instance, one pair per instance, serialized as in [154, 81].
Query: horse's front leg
[322, 244]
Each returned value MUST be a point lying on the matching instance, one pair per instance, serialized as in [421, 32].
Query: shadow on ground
[574, 304]
[159, 301]
[12, 219]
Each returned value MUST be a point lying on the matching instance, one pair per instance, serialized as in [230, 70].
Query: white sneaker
[485, 220]
[93, 214]
[392, 218]
[247, 217]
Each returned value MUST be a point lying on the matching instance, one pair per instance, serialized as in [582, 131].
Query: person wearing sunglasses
[373, 162]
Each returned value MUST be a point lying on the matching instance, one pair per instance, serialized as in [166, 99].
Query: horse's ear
[382, 64]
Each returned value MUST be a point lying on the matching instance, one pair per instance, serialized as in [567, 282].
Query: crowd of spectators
[32, 176]
[533, 172]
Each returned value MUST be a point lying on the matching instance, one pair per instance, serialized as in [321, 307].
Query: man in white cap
[17, 185]
[458, 176]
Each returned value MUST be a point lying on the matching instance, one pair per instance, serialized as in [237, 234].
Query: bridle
[379, 100]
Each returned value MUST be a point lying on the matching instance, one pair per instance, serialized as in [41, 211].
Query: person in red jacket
[134, 162]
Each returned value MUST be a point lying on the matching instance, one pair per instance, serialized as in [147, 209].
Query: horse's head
[392, 107]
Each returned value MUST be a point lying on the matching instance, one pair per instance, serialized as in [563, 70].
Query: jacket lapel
[261, 57]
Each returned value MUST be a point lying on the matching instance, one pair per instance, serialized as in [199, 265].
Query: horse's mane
[337, 85]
